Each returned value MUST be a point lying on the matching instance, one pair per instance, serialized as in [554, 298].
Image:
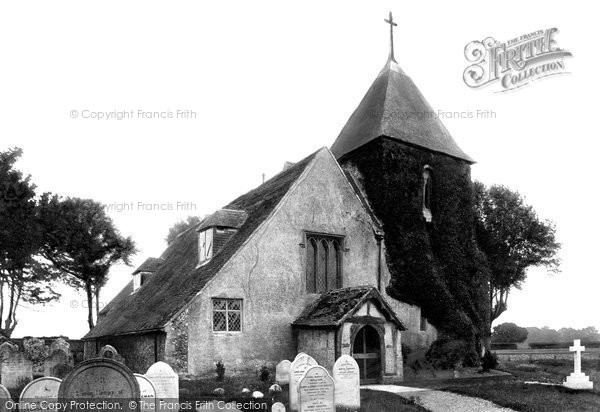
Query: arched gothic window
[427, 193]
[323, 263]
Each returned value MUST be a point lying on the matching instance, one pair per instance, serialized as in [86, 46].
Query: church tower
[417, 180]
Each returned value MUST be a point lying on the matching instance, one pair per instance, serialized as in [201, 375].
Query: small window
[137, 281]
[227, 315]
[205, 242]
[323, 264]
[427, 193]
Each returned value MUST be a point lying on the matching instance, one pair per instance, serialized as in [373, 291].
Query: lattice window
[227, 315]
[323, 263]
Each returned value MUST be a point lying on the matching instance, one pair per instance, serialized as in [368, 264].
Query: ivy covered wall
[434, 265]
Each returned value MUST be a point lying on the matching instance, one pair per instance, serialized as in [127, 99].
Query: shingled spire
[395, 108]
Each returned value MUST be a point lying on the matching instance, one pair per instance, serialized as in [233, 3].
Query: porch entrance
[367, 352]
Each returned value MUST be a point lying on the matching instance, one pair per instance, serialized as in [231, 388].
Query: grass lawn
[202, 389]
[517, 395]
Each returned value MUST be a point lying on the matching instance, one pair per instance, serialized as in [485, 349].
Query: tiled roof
[395, 108]
[178, 279]
[150, 265]
[224, 218]
[334, 307]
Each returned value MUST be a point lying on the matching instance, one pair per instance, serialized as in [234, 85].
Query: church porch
[355, 321]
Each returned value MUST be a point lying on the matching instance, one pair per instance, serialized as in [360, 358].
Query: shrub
[406, 351]
[509, 333]
[264, 373]
[447, 353]
[489, 361]
[416, 360]
[220, 369]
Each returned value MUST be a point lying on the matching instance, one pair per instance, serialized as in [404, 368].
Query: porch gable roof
[335, 307]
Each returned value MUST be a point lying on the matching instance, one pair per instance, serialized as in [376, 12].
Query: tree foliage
[180, 227]
[509, 333]
[548, 335]
[81, 240]
[513, 239]
[24, 275]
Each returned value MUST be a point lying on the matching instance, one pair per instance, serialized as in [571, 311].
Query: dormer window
[427, 193]
[137, 281]
[205, 245]
[143, 273]
[215, 231]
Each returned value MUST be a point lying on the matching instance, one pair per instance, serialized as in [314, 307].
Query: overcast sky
[271, 82]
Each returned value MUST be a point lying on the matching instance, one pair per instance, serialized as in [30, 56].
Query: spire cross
[392, 24]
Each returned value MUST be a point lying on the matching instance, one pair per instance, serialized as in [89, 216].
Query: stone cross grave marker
[282, 372]
[346, 376]
[147, 393]
[166, 384]
[100, 380]
[315, 392]
[4, 397]
[278, 407]
[17, 370]
[577, 379]
[40, 390]
[297, 369]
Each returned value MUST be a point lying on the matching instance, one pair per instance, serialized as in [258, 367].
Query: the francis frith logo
[514, 63]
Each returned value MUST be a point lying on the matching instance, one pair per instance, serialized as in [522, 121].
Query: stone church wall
[269, 273]
[139, 351]
[320, 344]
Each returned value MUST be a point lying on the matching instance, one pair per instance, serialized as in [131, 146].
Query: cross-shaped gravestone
[577, 348]
[578, 380]
[392, 24]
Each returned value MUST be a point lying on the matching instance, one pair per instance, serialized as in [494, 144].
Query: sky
[250, 85]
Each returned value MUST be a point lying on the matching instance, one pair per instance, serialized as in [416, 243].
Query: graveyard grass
[515, 394]
[203, 388]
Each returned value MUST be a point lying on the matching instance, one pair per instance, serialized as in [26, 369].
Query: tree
[81, 240]
[180, 227]
[509, 333]
[513, 239]
[24, 276]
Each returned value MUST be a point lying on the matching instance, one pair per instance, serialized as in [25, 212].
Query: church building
[300, 263]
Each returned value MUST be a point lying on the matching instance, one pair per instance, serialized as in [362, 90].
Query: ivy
[435, 265]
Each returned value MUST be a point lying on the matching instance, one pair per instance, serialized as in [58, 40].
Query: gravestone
[147, 393]
[40, 392]
[578, 379]
[109, 352]
[58, 363]
[5, 350]
[17, 370]
[278, 407]
[346, 377]
[315, 392]
[166, 384]
[301, 354]
[282, 372]
[61, 344]
[297, 369]
[100, 380]
[4, 398]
